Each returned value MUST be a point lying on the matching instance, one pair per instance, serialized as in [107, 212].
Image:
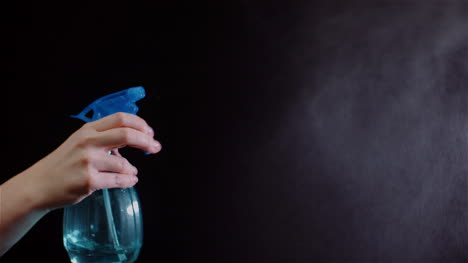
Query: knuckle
[120, 118]
[86, 159]
[85, 139]
[121, 164]
[126, 135]
[118, 181]
[86, 126]
[149, 140]
[87, 182]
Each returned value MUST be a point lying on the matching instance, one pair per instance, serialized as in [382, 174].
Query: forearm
[18, 211]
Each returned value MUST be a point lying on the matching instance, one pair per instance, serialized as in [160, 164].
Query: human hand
[82, 164]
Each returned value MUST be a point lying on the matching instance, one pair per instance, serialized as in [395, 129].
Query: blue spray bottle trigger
[121, 101]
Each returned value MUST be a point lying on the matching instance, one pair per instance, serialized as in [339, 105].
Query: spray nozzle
[121, 101]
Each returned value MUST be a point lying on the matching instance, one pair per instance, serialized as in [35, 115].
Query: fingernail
[150, 131]
[135, 170]
[135, 179]
[156, 145]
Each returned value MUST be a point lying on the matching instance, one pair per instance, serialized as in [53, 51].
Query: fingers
[115, 164]
[121, 137]
[123, 129]
[112, 171]
[113, 132]
[105, 180]
[121, 120]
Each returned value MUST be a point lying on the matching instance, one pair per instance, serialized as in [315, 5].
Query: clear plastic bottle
[92, 235]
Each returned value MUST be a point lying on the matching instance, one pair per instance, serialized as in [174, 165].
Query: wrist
[19, 211]
[31, 196]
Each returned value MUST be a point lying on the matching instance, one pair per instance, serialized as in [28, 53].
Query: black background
[292, 131]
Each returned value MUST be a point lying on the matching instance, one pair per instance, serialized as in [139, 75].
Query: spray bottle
[107, 225]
